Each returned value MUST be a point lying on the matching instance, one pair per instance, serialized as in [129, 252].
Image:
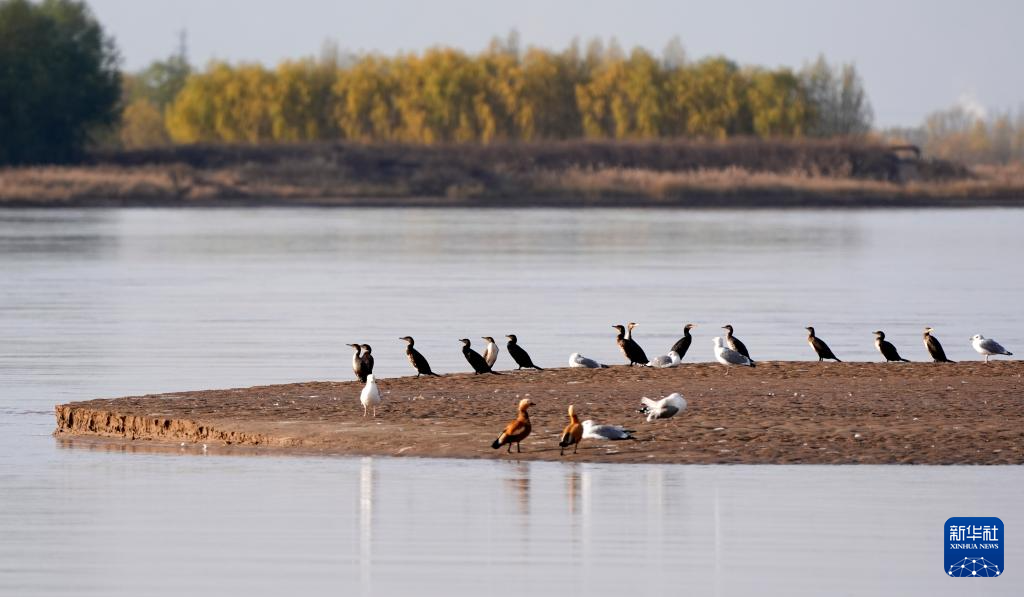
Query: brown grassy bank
[677, 173]
[830, 413]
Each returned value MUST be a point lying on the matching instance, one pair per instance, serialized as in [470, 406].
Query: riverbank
[739, 173]
[779, 412]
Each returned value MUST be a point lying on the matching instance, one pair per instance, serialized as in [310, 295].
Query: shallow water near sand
[114, 302]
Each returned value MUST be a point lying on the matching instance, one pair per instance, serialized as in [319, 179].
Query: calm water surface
[113, 302]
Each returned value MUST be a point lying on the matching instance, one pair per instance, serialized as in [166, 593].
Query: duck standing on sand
[630, 349]
[476, 361]
[987, 346]
[934, 347]
[572, 434]
[370, 396]
[666, 408]
[734, 343]
[887, 348]
[819, 346]
[417, 360]
[683, 344]
[728, 356]
[490, 351]
[518, 354]
[517, 430]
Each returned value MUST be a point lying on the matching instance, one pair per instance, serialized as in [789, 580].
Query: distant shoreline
[673, 174]
[702, 203]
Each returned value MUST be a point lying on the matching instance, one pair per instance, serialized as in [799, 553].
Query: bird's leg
[576, 445]
[374, 412]
[519, 448]
[561, 450]
[364, 411]
[509, 451]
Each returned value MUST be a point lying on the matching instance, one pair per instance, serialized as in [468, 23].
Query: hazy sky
[915, 56]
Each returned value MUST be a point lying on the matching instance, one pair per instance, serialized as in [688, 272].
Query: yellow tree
[300, 101]
[624, 99]
[142, 125]
[712, 97]
[440, 98]
[778, 106]
[547, 106]
[365, 100]
[191, 117]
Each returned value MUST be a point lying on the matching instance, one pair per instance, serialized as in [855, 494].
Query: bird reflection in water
[573, 480]
[519, 484]
[366, 483]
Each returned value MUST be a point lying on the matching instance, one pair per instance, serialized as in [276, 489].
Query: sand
[779, 412]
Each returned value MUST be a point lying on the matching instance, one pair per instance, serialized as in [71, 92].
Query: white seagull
[592, 430]
[665, 408]
[665, 361]
[578, 360]
[988, 346]
[728, 356]
[370, 396]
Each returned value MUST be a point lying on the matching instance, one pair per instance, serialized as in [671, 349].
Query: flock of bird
[728, 350]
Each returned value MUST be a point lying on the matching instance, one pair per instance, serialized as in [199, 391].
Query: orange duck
[517, 430]
[573, 432]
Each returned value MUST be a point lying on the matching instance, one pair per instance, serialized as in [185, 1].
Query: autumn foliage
[445, 95]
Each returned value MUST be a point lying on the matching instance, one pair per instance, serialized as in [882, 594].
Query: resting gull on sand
[665, 361]
[578, 360]
[592, 430]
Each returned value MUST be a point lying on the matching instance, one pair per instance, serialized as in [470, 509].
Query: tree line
[62, 89]
[503, 93]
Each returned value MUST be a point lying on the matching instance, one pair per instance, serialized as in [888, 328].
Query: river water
[113, 302]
